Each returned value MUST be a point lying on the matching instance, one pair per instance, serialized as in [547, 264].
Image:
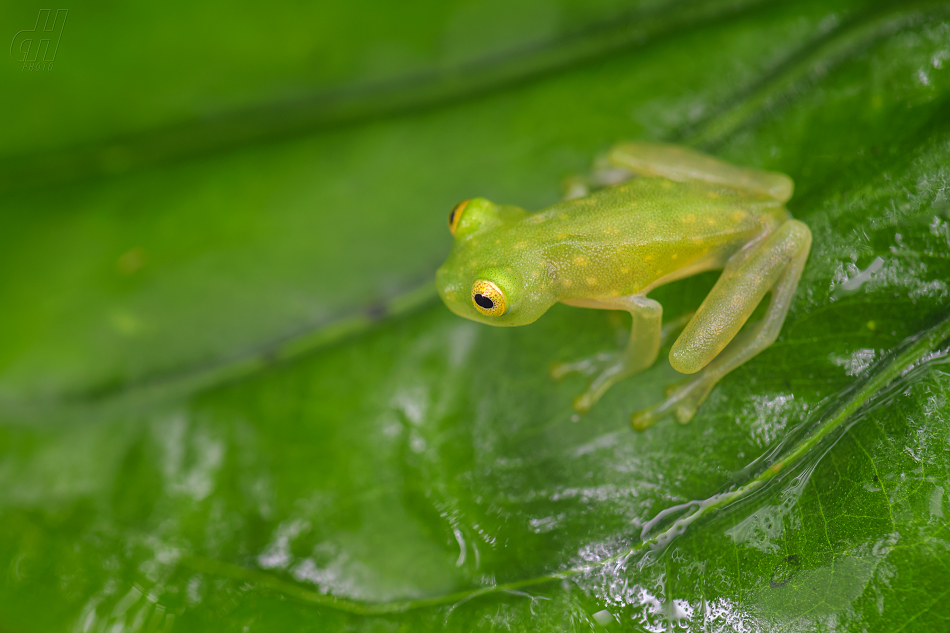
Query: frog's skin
[666, 213]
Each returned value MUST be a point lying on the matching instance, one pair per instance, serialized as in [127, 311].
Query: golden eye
[488, 298]
[455, 214]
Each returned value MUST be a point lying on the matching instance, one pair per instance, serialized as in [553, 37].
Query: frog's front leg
[610, 367]
[711, 345]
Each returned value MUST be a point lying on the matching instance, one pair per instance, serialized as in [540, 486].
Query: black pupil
[484, 302]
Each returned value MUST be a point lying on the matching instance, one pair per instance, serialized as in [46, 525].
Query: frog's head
[484, 278]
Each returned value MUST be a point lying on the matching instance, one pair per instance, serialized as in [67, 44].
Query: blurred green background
[230, 400]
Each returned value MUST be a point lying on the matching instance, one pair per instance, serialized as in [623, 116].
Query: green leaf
[230, 400]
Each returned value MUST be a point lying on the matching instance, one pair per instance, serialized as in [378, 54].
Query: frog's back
[648, 229]
[657, 208]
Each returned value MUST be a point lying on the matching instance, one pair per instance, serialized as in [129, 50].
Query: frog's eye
[455, 214]
[488, 298]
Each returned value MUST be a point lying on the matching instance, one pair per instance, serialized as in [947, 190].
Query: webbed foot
[607, 367]
[681, 402]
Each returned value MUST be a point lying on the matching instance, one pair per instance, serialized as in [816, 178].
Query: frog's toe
[561, 370]
[597, 388]
[586, 366]
[682, 401]
[583, 402]
[605, 369]
[685, 412]
[642, 420]
[645, 418]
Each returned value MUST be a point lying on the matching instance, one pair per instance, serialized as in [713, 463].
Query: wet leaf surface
[230, 401]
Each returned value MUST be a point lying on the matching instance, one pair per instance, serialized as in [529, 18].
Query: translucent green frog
[663, 213]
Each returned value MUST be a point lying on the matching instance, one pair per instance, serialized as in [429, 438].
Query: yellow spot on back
[567, 282]
[647, 258]
[711, 221]
[535, 274]
[738, 215]
[666, 184]
[651, 225]
[521, 244]
[561, 236]
[674, 255]
[580, 260]
[591, 281]
[712, 194]
[625, 270]
[564, 216]
[689, 218]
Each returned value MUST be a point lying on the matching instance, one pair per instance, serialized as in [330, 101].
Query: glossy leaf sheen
[230, 401]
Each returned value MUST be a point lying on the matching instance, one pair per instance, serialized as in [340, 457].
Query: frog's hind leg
[610, 367]
[682, 164]
[711, 345]
[604, 174]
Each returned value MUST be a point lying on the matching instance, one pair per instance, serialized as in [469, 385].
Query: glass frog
[661, 213]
